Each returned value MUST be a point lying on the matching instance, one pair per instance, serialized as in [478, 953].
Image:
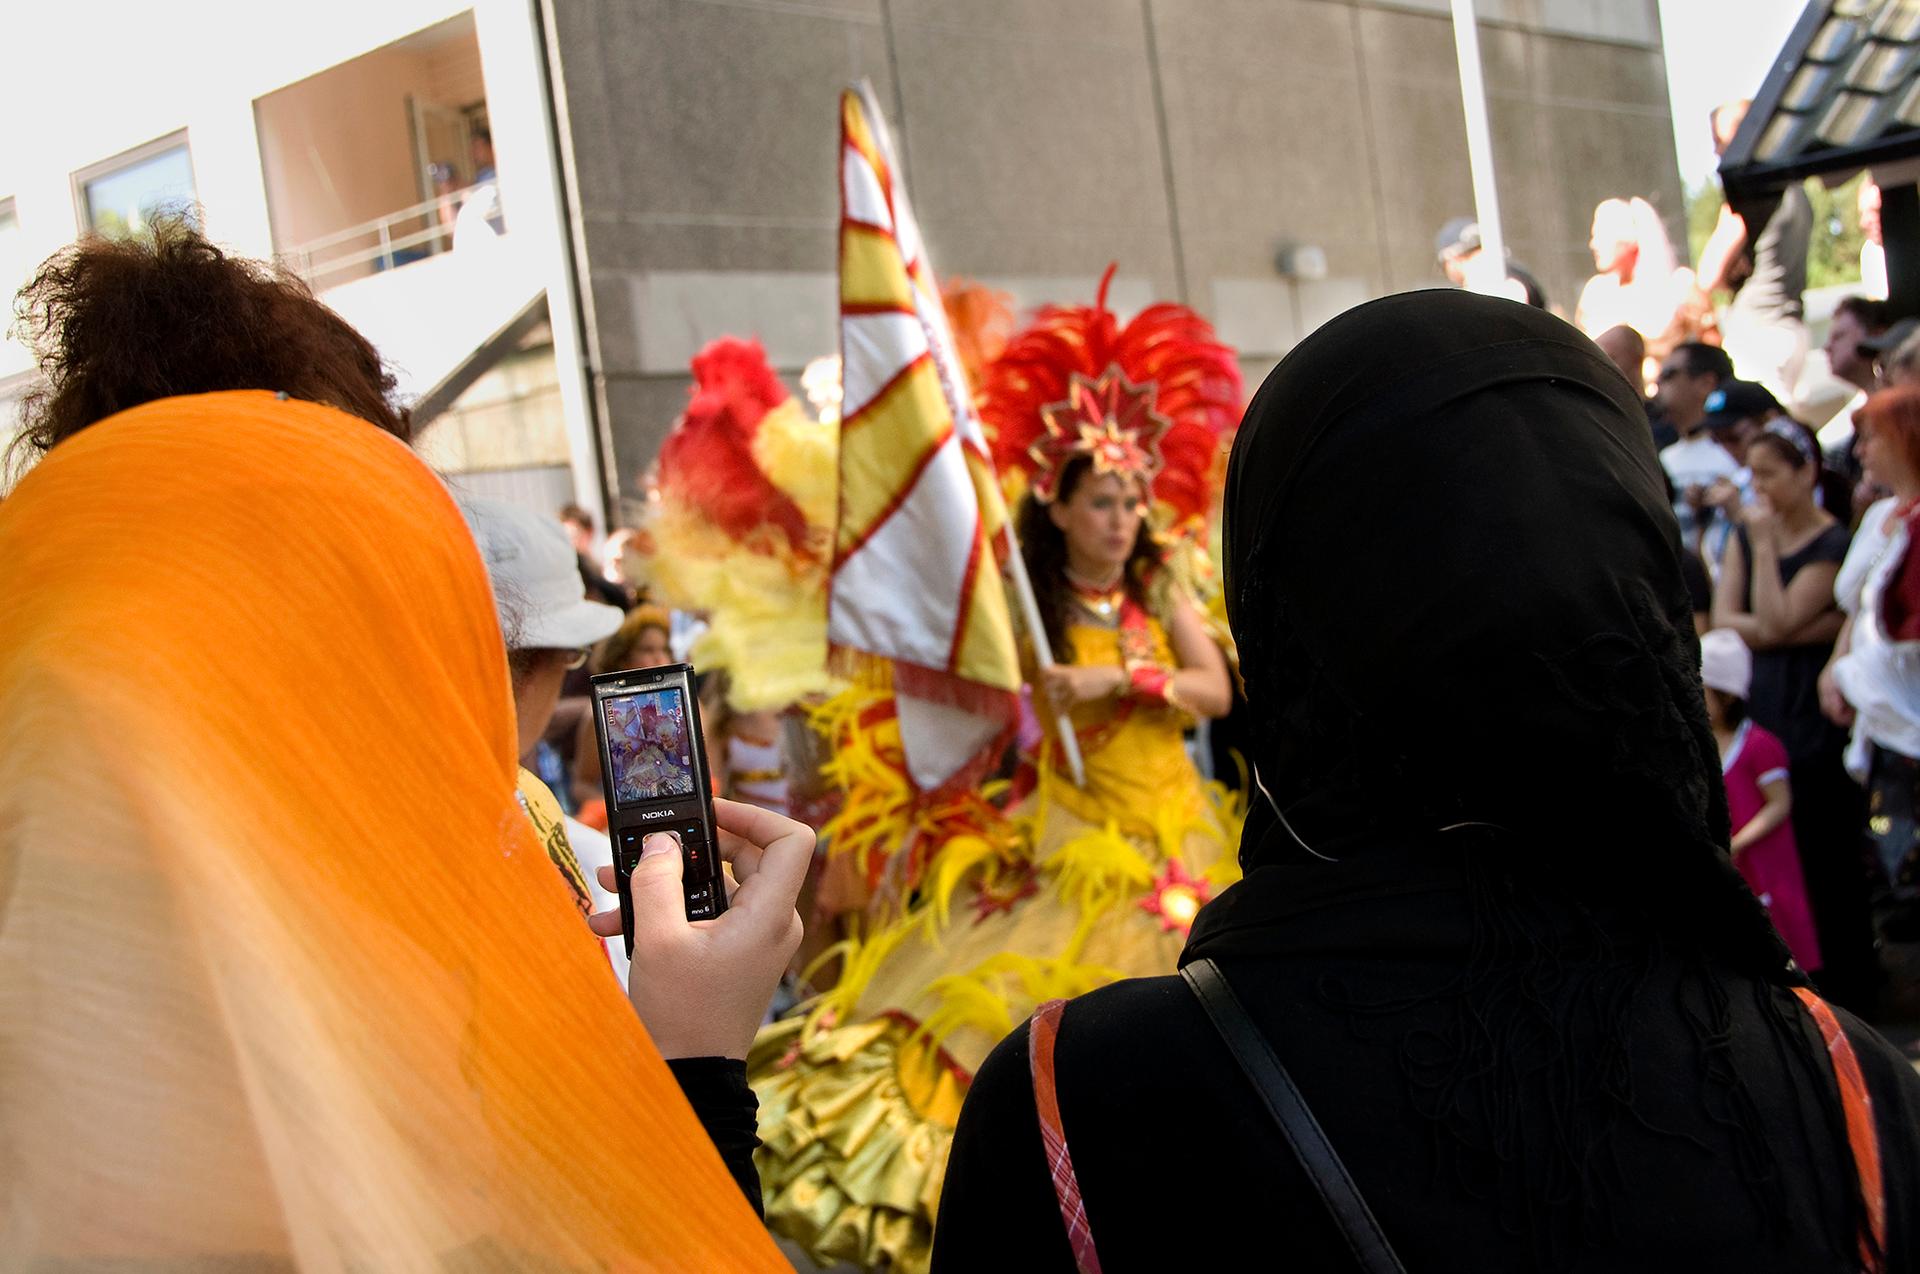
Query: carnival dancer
[1115, 432]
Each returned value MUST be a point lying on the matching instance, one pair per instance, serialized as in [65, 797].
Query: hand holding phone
[702, 987]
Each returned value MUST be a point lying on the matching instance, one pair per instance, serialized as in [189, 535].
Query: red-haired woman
[1873, 680]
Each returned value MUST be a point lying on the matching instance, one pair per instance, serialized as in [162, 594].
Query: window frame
[81, 178]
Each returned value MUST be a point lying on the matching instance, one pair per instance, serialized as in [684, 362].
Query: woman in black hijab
[1489, 922]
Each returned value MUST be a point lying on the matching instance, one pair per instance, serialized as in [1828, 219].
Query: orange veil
[285, 979]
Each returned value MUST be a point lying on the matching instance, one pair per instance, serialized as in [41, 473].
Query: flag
[922, 527]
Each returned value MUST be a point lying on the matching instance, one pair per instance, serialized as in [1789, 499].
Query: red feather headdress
[707, 464]
[1152, 400]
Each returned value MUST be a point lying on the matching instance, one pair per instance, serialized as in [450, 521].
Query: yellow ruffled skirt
[860, 1092]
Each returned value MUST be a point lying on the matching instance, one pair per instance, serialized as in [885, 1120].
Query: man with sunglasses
[549, 626]
[1691, 374]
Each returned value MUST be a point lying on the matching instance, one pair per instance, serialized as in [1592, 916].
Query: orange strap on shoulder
[1053, 1135]
[1862, 1139]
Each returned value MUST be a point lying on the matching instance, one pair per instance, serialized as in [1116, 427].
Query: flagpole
[1486, 193]
[1043, 654]
[1016, 564]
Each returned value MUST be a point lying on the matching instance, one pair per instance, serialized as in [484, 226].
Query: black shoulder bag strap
[1289, 1109]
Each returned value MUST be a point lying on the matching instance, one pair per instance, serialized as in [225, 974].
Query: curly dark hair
[1044, 546]
[116, 323]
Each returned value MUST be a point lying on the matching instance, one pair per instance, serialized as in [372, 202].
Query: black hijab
[1475, 703]
[1454, 580]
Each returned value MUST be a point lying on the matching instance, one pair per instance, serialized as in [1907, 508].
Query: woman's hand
[1069, 684]
[1724, 496]
[1832, 702]
[1759, 520]
[702, 987]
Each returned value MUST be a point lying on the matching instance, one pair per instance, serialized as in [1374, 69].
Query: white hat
[1725, 663]
[537, 589]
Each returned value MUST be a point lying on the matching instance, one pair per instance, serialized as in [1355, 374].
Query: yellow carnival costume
[737, 521]
[980, 914]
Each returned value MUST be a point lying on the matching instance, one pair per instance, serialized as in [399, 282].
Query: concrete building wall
[1189, 140]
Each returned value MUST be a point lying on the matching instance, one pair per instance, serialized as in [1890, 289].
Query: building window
[123, 195]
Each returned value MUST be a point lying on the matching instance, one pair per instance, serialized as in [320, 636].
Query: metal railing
[385, 243]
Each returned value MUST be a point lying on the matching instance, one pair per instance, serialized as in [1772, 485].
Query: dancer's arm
[1200, 684]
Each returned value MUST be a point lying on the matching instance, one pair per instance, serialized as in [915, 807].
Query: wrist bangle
[1150, 682]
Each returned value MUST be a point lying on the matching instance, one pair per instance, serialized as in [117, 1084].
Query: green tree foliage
[1833, 256]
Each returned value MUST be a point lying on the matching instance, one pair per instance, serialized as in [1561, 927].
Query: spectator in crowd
[580, 532]
[617, 554]
[1873, 252]
[1753, 766]
[480, 150]
[580, 528]
[91, 312]
[1759, 251]
[548, 625]
[1895, 352]
[1466, 265]
[1856, 321]
[1736, 413]
[1688, 377]
[1776, 591]
[1870, 683]
[1488, 923]
[287, 980]
[641, 641]
[1638, 282]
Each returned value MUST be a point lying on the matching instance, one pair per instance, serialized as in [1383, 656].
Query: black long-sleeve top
[718, 1091]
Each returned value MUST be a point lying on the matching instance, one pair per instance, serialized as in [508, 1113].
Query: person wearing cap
[1882, 350]
[1753, 766]
[697, 1007]
[549, 625]
[1853, 347]
[1688, 377]
[1463, 261]
[1736, 412]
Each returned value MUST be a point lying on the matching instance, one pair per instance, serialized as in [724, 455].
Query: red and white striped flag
[922, 530]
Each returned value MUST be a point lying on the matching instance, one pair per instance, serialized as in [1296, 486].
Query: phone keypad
[699, 869]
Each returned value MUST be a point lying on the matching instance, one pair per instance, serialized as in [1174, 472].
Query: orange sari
[285, 978]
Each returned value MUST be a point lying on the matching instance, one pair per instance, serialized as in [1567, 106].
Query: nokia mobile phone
[653, 766]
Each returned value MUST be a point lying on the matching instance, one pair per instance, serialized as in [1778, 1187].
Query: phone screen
[648, 747]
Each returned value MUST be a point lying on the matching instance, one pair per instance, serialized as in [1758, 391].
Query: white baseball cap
[1726, 664]
[537, 590]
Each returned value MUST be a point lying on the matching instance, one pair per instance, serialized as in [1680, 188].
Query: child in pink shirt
[1753, 765]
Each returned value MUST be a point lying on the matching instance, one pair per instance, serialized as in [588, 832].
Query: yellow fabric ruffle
[856, 1123]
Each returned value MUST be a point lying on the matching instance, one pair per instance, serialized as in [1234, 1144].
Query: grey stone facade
[1189, 140]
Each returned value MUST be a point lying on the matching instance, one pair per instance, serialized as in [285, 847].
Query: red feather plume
[706, 464]
[1195, 379]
